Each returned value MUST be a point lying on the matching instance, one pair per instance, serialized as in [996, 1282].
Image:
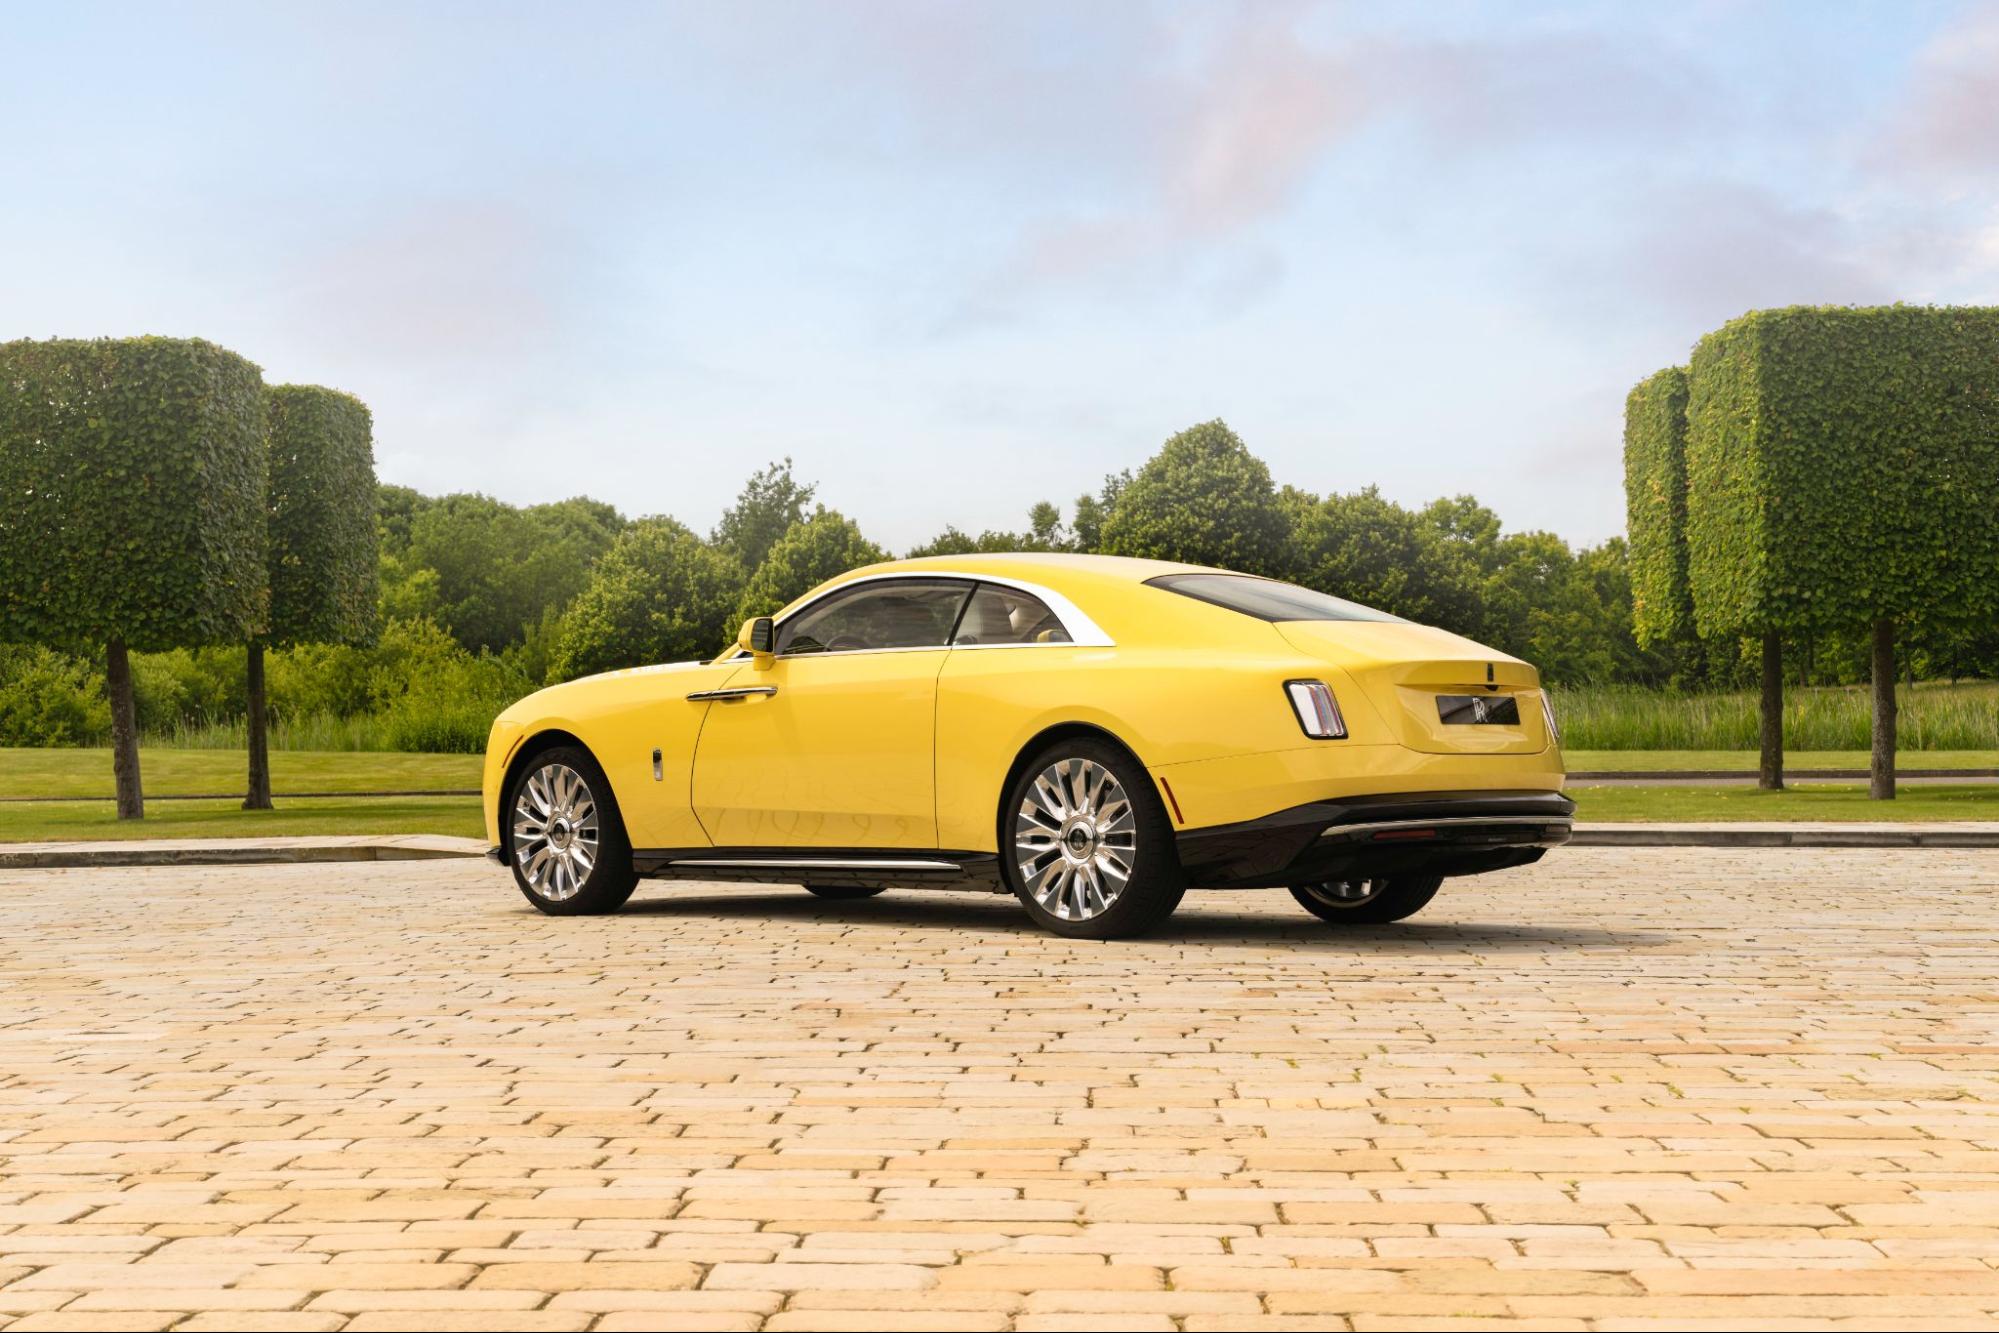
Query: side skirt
[976, 871]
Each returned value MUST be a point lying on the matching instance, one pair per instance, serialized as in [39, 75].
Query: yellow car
[1093, 734]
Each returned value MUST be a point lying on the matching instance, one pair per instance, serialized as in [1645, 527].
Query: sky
[953, 259]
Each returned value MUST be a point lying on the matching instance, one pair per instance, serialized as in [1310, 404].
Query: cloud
[1239, 117]
[1250, 126]
[1549, 89]
[467, 280]
[1947, 125]
[1702, 252]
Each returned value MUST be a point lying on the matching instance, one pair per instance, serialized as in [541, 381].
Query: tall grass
[1932, 717]
[315, 731]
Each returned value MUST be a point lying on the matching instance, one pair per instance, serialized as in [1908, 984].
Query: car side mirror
[759, 639]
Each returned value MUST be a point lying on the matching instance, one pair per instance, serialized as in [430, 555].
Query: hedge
[131, 493]
[1843, 467]
[323, 560]
[1655, 497]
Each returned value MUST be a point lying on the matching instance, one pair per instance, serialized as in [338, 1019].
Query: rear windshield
[1266, 599]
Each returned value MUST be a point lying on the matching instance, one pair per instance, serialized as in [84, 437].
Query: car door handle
[726, 696]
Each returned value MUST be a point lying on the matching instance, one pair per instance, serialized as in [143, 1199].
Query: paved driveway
[1667, 1085]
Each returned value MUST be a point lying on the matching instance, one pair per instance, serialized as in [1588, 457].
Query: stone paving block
[1591, 1092]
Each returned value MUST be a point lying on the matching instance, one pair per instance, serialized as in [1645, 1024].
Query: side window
[902, 613]
[999, 614]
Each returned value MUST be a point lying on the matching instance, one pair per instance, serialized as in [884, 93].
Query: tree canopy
[806, 556]
[660, 594]
[771, 502]
[324, 565]
[132, 479]
[1204, 498]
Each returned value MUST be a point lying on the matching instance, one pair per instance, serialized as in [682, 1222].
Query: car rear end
[1416, 751]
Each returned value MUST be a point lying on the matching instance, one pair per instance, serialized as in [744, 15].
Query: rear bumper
[1430, 833]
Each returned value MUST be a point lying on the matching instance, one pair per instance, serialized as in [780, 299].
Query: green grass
[1934, 716]
[1744, 761]
[164, 772]
[315, 731]
[84, 821]
[1798, 802]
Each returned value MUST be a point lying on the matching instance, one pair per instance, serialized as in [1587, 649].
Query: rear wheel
[567, 845]
[844, 892]
[1087, 848]
[1367, 902]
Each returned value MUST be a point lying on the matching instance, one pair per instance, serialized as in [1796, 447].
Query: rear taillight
[1548, 711]
[1318, 712]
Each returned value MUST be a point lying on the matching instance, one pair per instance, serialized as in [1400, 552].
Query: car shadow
[1202, 919]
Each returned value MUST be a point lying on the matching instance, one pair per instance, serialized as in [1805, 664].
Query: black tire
[1154, 885]
[840, 893]
[610, 879]
[1382, 900]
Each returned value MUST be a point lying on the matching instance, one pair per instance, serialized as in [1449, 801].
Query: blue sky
[957, 258]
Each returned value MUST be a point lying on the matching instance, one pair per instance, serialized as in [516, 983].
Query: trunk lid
[1405, 670]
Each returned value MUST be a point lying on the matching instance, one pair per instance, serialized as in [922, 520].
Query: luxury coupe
[1093, 734]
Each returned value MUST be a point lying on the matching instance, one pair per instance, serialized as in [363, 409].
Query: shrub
[49, 698]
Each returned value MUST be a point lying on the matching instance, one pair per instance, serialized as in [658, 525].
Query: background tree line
[481, 601]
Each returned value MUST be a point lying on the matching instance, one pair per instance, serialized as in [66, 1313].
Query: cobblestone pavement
[1624, 1088]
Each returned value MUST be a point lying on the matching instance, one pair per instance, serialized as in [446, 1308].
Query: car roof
[1109, 590]
[1054, 568]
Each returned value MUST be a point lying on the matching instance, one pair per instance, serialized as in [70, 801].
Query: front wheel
[1088, 850]
[1367, 902]
[568, 848]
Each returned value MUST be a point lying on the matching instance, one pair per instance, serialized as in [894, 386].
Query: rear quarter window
[1266, 599]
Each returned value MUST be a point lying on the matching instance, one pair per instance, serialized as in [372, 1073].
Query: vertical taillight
[1318, 712]
[1548, 711]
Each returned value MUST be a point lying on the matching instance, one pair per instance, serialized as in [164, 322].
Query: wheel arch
[1041, 740]
[552, 738]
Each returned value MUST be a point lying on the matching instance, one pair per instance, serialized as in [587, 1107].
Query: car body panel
[842, 755]
[1403, 668]
[911, 749]
[621, 717]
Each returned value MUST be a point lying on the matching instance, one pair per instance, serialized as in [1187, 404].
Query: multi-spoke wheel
[565, 841]
[1364, 902]
[1089, 849]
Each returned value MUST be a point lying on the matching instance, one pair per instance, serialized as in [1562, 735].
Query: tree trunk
[259, 797]
[124, 731]
[1772, 776]
[1881, 768]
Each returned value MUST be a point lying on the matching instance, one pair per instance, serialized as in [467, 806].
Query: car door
[833, 746]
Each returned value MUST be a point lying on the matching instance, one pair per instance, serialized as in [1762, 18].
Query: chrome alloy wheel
[1345, 892]
[555, 831]
[1075, 839]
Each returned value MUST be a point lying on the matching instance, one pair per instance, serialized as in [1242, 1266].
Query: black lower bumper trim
[1434, 833]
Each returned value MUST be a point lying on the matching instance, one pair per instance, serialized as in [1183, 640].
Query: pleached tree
[320, 500]
[1843, 472]
[131, 506]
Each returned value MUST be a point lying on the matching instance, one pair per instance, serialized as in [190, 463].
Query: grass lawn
[1745, 761]
[164, 772]
[84, 821]
[1825, 801]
